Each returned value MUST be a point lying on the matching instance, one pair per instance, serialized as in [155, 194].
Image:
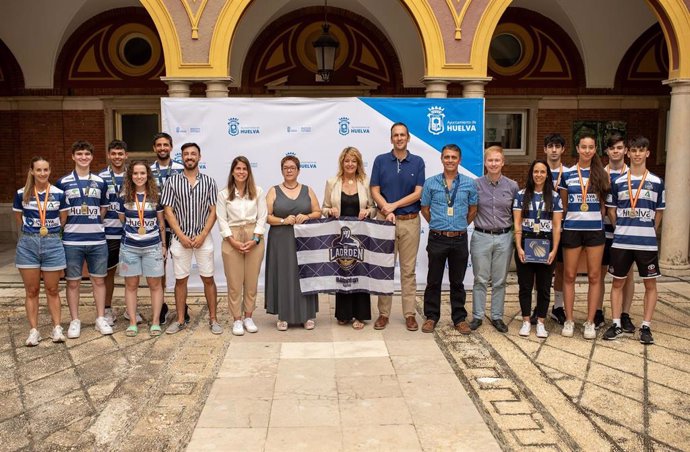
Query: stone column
[474, 88]
[436, 88]
[675, 234]
[177, 87]
[218, 87]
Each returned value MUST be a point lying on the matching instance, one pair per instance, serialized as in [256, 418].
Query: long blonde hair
[31, 180]
[352, 152]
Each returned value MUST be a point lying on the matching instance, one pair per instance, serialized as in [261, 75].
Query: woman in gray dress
[288, 204]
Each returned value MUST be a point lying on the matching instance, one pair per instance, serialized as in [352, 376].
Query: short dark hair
[554, 138]
[189, 145]
[407, 129]
[291, 158]
[160, 135]
[82, 145]
[117, 144]
[452, 147]
[614, 138]
[639, 142]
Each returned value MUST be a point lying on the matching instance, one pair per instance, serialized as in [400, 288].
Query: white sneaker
[139, 319]
[541, 331]
[590, 331]
[103, 327]
[568, 328]
[237, 328]
[250, 326]
[74, 330]
[526, 327]
[57, 335]
[110, 316]
[34, 338]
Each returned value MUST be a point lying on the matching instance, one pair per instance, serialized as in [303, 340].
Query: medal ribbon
[42, 211]
[161, 181]
[633, 200]
[81, 192]
[112, 179]
[623, 171]
[140, 210]
[583, 187]
[558, 181]
[451, 199]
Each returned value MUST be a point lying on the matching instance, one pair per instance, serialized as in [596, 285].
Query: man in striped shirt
[189, 200]
[161, 170]
[113, 176]
[635, 206]
[84, 235]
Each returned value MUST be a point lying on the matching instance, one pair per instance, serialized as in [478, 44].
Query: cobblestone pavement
[122, 393]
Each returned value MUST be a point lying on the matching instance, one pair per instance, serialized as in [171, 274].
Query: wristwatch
[257, 239]
[282, 220]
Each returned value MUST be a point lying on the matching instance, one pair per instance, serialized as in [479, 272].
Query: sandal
[343, 322]
[131, 331]
[358, 324]
[282, 325]
[155, 330]
[309, 324]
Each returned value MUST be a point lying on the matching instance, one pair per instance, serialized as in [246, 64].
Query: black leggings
[527, 275]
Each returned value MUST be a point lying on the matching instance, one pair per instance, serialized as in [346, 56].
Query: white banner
[316, 131]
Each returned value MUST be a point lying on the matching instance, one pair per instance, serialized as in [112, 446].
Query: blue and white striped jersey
[162, 173]
[577, 219]
[31, 220]
[613, 174]
[635, 230]
[132, 223]
[111, 222]
[537, 209]
[84, 225]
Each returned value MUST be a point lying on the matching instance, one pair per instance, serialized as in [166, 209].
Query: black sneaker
[646, 336]
[475, 323]
[533, 317]
[626, 324]
[500, 326]
[187, 318]
[599, 320]
[558, 314]
[613, 332]
[162, 319]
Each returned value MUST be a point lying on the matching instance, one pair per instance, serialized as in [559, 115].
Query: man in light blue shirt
[449, 204]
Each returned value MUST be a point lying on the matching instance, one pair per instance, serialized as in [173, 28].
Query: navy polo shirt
[398, 178]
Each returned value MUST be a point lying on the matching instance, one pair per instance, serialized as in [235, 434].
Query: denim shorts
[96, 257]
[46, 253]
[147, 261]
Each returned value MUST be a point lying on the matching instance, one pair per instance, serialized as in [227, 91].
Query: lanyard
[161, 181]
[81, 192]
[560, 173]
[112, 179]
[633, 200]
[451, 199]
[538, 207]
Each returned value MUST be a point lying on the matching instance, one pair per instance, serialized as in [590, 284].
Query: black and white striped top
[190, 203]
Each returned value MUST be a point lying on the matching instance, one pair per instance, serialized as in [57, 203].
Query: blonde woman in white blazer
[348, 195]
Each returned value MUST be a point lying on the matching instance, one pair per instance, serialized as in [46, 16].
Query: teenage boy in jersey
[616, 150]
[162, 169]
[86, 195]
[189, 200]
[635, 206]
[397, 178]
[554, 147]
[449, 204]
[113, 176]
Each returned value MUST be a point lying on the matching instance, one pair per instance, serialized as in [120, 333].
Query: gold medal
[633, 213]
[536, 228]
[450, 211]
[84, 209]
[142, 230]
[43, 231]
[584, 207]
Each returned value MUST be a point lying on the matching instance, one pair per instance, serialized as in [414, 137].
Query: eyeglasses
[289, 168]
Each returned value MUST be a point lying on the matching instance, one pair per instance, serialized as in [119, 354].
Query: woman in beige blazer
[348, 195]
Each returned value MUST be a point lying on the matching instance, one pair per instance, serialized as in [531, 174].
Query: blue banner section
[438, 122]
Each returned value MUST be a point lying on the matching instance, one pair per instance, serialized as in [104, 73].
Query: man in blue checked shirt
[449, 204]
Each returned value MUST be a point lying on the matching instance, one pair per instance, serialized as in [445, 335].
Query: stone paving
[340, 389]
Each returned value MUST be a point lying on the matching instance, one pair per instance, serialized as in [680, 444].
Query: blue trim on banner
[439, 122]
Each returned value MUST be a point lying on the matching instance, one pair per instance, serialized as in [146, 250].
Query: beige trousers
[406, 246]
[242, 271]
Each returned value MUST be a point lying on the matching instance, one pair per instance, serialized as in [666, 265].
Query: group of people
[130, 215]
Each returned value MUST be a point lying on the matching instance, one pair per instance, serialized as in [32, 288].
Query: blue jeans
[147, 261]
[490, 260]
[46, 253]
[96, 257]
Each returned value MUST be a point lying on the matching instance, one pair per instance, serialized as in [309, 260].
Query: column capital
[218, 86]
[436, 88]
[177, 87]
[475, 87]
[677, 83]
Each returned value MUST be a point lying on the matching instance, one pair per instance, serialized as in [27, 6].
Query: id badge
[450, 211]
[536, 228]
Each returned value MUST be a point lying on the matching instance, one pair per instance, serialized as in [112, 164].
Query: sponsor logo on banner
[235, 129]
[344, 127]
[195, 130]
[180, 130]
[302, 164]
[436, 120]
[346, 250]
[300, 129]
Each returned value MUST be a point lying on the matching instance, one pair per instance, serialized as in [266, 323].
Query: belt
[493, 231]
[449, 233]
[408, 216]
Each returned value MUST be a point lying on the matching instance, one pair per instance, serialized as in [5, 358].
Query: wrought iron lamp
[325, 47]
